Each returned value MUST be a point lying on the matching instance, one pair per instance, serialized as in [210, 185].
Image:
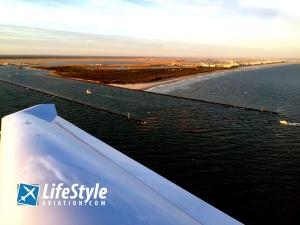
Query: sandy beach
[148, 86]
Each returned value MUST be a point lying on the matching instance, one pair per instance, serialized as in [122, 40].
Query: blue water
[274, 88]
[243, 162]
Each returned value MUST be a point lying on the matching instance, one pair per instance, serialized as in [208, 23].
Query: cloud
[142, 2]
[245, 23]
[224, 6]
[256, 11]
[56, 2]
[26, 40]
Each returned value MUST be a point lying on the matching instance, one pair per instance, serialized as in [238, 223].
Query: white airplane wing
[38, 147]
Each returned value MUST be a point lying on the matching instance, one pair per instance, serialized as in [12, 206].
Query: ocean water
[275, 88]
[241, 161]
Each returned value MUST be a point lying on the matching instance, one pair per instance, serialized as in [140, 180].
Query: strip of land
[132, 72]
[133, 78]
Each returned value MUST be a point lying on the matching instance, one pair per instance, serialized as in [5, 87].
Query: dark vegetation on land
[125, 76]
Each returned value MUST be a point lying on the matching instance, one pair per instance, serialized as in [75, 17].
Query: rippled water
[243, 162]
[275, 88]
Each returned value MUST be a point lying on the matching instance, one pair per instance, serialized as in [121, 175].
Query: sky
[196, 28]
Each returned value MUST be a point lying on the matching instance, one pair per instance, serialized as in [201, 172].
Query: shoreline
[148, 86]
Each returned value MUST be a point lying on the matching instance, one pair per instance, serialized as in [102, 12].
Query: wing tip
[45, 112]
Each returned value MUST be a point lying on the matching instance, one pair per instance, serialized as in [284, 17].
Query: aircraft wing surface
[44, 156]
